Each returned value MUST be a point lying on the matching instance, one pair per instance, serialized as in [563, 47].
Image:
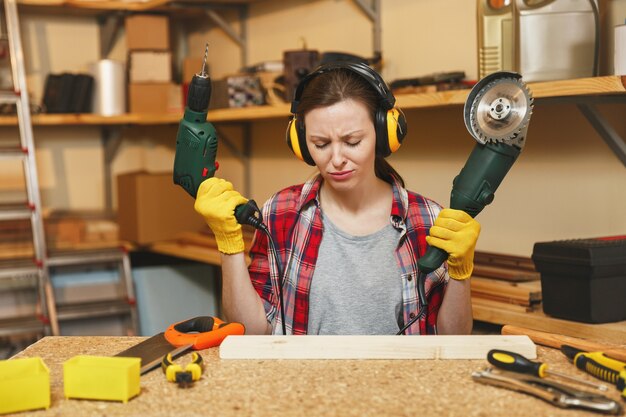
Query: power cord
[250, 214]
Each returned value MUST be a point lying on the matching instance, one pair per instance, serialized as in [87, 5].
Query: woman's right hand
[216, 202]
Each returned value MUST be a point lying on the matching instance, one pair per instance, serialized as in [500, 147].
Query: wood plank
[506, 291]
[578, 87]
[500, 313]
[503, 273]
[372, 347]
[134, 6]
[504, 261]
[481, 302]
[557, 340]
[203, 254]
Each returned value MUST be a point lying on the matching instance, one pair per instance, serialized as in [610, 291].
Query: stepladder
[34, 267]
[17, 271]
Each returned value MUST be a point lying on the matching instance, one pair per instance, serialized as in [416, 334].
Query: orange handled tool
[202, 332]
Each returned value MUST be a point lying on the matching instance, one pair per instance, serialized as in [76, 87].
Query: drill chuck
[199, 93]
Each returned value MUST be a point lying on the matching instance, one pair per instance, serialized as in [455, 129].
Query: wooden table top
[301, 387]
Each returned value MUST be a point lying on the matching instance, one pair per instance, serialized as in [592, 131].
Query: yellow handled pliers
[183, 377]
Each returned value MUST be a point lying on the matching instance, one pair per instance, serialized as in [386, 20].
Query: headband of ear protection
[389, 121]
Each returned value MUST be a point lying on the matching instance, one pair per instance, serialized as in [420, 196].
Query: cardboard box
[152, 208]
[155, 98]
[64, 232]
[147, 32]
[150, 66]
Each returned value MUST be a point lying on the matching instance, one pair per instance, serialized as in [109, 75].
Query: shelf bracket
[586, 105]
[241, 38]
[372, 11]
[111, 141]
[605, 130]
[110, 26]
[242, 155]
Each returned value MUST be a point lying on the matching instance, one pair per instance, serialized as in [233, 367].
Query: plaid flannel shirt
[294, 220]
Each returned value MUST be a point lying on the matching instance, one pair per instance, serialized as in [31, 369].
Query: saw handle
[202, 332]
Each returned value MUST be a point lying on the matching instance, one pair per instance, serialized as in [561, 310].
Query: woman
[349, 239]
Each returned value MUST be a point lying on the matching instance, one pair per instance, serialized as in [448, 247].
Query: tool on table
[196, 144]
[496, 113]
[183, 377]
[554, 393]
[201, 332]
[151, 352]
[195, 159]
[599, 365]
[515, 362]
[210, 331]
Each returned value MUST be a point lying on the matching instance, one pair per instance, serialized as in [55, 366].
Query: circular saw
[496, 113]
[498, 109]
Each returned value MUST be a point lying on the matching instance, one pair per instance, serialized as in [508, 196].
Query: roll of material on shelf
[110, 86]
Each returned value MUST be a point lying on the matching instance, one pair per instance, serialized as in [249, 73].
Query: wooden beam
[523, 293]
[555, 340]
[372, 347]
[501, 313]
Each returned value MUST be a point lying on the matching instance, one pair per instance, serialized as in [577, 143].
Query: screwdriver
[515, 362]
[599, 365]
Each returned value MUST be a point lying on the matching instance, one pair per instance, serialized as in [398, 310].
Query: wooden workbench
[301, 388]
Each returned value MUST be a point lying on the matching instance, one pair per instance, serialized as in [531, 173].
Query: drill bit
[203, 72]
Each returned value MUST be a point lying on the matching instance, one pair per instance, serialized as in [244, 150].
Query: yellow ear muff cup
[396, 128]
[292, 139]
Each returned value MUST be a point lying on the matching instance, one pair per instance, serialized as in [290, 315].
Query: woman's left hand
[456, 232]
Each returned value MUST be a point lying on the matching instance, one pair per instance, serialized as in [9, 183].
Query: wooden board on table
[372, 347]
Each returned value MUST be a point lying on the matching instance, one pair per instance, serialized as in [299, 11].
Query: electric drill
[196, 145]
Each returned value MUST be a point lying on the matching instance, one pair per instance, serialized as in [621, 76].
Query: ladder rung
[15, 211]
[9, 269]
[85, 257]
[9, 97]
[18, 282]
[12, 152]
[92, 309]
[20, 325]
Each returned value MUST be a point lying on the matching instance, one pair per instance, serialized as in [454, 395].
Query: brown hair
[333, 86]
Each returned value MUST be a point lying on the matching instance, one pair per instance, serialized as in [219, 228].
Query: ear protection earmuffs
[389, 121]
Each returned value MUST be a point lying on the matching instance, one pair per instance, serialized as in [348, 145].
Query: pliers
[183, 377]
[557, 394]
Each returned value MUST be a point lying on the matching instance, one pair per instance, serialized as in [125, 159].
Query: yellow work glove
[456, 232]
[216, 202]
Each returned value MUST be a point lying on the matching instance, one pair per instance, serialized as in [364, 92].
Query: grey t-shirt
[356, 286]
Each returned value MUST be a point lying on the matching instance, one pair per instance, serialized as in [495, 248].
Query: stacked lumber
[63, 231]
[199, 246]
[506, 282]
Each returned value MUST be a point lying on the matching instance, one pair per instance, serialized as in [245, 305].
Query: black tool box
[583, 279]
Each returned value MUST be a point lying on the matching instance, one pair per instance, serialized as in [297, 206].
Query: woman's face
[342, 141]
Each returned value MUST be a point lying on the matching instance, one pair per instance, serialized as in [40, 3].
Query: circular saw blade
[500, 111]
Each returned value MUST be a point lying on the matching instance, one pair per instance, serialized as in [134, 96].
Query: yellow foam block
[101, 377]
[24, 385]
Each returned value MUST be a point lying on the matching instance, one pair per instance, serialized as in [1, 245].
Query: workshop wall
[567, 182]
